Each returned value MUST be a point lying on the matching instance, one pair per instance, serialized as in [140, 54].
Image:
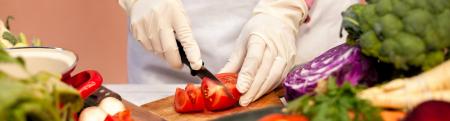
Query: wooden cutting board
[139, 114]
[164, 108]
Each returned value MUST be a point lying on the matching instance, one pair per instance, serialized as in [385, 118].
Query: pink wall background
[94, 29]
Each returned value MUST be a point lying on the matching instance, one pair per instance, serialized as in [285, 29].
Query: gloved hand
[156, 24]
[266, 47]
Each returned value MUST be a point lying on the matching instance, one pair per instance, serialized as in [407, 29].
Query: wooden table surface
[139, 114]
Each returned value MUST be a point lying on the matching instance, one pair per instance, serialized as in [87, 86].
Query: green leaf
[334, 104]
[38, 97]
[331, 84]
[10, 37]
[6, 58]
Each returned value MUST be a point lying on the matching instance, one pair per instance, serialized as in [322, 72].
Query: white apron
[217, 23]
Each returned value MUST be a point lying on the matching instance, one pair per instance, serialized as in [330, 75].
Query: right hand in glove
[158, 24]
[266, 47]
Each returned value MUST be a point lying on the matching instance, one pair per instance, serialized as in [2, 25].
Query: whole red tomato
[215, 96]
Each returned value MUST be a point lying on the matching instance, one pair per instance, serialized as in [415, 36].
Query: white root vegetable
[406, 93]
[407, 100]
[92, 114]
[111, 105]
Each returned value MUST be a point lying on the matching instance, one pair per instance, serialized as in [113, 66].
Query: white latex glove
[157, 24]
[266, 47]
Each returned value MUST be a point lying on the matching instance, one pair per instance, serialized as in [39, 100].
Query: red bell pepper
[86, 82]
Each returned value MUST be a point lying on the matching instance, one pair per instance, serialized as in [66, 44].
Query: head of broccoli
[409, 34]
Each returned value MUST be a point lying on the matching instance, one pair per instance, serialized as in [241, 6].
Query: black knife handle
[184, 59]
[100, 94]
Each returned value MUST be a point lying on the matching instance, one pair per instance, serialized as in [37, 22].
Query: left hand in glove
[266, 47]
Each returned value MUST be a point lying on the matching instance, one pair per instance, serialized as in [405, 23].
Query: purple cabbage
[344, 62]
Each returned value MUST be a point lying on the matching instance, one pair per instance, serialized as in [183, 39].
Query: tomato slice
[196, 97]
[182, 102]
[210, 95]
[189, 100]
[283, 117]
[215, 97]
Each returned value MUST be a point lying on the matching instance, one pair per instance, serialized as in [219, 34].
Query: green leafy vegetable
[6, 58]
[411, 35]
[10, 37]
[40, 97]
[335, 105]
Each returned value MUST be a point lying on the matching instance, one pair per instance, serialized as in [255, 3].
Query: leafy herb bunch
[335, 104]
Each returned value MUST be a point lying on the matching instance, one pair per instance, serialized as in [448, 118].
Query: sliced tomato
[182, 101]
[215, 97]
[196, 97]
[189, 100]
[283, 117]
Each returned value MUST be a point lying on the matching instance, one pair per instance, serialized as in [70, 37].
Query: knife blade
[202, 72]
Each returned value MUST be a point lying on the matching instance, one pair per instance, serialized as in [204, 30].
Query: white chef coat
[217, 23]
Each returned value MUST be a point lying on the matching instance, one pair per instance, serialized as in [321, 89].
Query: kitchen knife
[202, 72]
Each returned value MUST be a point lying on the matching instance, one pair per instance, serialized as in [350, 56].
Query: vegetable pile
[393, 38]
[336, 104]
[209, 96]
[25, 96]
[8, 39]
[344, 62]
[410, 34]
[40, 97]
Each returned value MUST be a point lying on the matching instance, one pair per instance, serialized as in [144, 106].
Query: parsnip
[408, 92]
[437, 78]
[408, 100]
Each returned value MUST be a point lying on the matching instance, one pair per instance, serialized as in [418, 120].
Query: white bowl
[50, 59]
